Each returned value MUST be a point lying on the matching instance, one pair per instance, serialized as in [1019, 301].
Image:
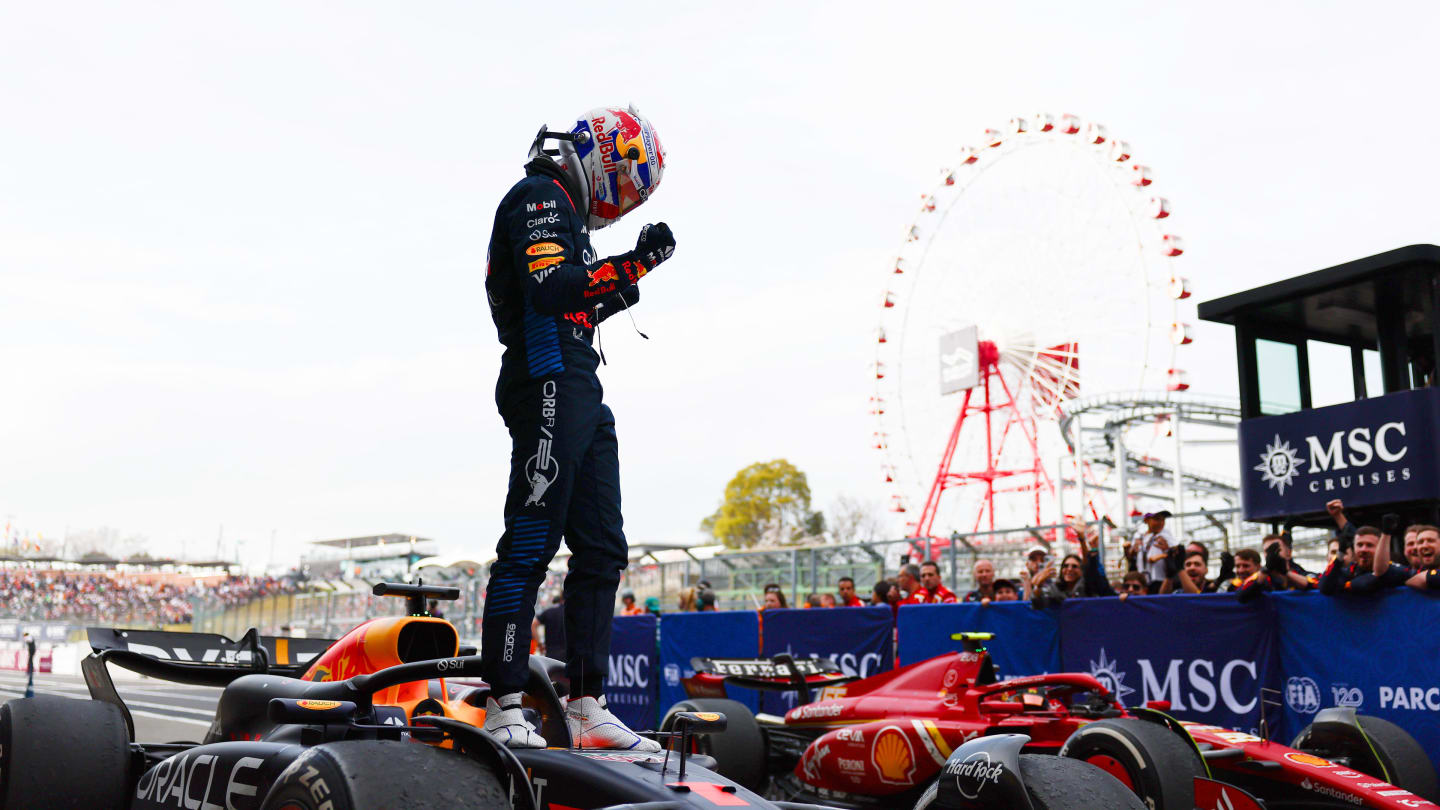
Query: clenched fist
[655, 245]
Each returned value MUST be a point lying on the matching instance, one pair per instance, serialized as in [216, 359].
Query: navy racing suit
[547, 292]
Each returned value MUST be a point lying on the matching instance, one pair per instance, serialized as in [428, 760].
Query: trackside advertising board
[1208, 655]
[860, 640]
[1375, 654]
[1373, 451]
[633, 685]
[1027, 641]
[683, 636]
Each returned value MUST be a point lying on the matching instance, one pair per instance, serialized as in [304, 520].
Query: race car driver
[547, 292]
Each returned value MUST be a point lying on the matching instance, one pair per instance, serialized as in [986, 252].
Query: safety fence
[1211, 657]
[739, 577]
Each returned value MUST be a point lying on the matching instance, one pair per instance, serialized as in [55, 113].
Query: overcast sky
[242, 245]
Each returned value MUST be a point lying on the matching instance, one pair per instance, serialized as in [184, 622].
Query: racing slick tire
[383, 775]
[1146, 757]
[1398, 752]
[1058, 783]
[739, 750]
[61, 753]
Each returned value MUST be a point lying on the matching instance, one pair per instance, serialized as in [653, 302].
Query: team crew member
[1250, 580]
[909, 581]
[846, 589]
[1192, 575]
[547, 292]
[1424, 550]
[1358, 576]
[930, 580]
[627, 599]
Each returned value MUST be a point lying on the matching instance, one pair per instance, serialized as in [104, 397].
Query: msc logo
[1348, 451]
[1279, 465]
[1302, 695]
[629, 670]
[1187, 686]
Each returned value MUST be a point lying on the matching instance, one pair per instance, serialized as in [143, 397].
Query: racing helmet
[616, 158]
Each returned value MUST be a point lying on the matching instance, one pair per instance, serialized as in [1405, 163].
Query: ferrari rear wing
[783, 673]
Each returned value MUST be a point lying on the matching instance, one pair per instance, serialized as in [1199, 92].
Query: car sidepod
[220, 775]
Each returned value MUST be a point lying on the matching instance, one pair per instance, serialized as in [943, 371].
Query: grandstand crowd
[102, 597]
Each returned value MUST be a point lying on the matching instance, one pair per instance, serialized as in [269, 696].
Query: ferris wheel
[1038, 268]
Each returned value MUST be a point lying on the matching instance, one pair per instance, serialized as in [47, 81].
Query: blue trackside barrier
[1209, 656]
[861, 640]
[1027, 641]
[632, 687]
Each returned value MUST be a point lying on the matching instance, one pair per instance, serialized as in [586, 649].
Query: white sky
[242, 245]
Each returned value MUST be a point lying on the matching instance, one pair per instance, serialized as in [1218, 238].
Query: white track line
[86, 694]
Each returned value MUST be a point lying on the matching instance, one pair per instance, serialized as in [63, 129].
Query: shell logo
[1309, 759]
[894, 756]
[318, 705]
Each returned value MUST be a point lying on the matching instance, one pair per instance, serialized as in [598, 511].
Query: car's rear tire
[739, 750]
[383, 775]
[1401, 755]
[63, 753]
[1059, 783]
[1146, 757]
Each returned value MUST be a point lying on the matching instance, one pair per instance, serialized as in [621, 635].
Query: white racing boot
[593, 726]
[505, 722]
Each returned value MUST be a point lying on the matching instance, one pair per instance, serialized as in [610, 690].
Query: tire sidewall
[1161, 768]
[308, 783]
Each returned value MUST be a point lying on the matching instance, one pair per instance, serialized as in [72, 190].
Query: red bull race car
[893, 739]
[379, 720]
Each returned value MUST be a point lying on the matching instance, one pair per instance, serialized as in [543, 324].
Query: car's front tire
[1146, 757]
[60, 753]
[384, 775]
[1401, 756]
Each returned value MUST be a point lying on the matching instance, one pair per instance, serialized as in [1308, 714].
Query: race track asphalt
[163, 712]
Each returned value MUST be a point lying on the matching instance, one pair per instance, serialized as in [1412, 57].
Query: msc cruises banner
[634, 681]
[1372, 451]
[1375, 654]
[1208, 655]
[724, 634]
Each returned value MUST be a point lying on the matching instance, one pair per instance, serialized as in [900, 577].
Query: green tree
[767, 503]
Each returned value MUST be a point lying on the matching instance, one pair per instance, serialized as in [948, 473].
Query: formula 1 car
[882, 741]
[373, 721]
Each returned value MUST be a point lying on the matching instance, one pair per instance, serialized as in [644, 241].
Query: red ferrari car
[883, 741]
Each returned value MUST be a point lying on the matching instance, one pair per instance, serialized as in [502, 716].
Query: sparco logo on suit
[1372, 451]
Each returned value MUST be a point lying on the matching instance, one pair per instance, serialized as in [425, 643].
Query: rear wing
[204, 659]
[783, 673]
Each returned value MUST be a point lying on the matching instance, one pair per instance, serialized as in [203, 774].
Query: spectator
[1133, 584]
[774, 599]
[1005, 591]
[1197, 547]
[909, 581]
[846, 587]
[1038, 581]
[1072, 580]
[1093, 577]
[552, 620]
[930, 581]
[813, 601]
[652, 605]
[984, 582]
[1251, 580]
[1149, 547]
[705, 599]
[434, 609]
[627, 598]
[1359, 575]
[828, 600]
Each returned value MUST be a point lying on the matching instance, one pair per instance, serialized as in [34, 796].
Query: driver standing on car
[548, 291]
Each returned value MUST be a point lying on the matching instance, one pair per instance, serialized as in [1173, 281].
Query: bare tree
[852, 520]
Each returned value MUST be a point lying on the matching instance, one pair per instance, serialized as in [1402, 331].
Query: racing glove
[1174, 561]
[655, 245]
[1390, 524]
[1227, 567]
[1274, 563]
